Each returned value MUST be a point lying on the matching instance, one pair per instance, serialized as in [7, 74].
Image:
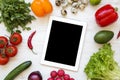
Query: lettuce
[102, 65]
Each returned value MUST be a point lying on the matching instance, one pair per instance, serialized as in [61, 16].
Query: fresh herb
[15, 14]
[102, 65]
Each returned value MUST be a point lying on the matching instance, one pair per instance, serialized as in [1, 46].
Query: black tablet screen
[63, 43]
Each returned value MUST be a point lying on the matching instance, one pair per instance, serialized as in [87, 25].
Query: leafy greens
[14, 14]
[102, 65]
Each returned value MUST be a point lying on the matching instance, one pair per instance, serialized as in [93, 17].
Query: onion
[35, 75]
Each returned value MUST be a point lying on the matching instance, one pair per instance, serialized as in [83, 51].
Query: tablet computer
[63, 44]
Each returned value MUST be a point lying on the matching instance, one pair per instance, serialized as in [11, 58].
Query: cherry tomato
[3, 59]
[15, 38]
[11, 50]
[3, 41]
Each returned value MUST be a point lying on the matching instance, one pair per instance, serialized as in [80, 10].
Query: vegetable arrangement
[8, 47]
[102, 65]
[15, 14]
[59, 75]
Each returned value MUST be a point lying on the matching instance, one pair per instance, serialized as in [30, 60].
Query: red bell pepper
[106, 15]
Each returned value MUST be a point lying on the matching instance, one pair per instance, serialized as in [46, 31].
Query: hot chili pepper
[106, 15]
[29, 42]
[118, 35]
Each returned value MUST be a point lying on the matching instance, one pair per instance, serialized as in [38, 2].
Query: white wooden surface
[40, 25]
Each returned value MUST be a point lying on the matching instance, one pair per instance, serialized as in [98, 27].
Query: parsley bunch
[15, 14]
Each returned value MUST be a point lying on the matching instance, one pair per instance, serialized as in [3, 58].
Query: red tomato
[3, 59]
[11, 50]
[15, 38]
[3, 41]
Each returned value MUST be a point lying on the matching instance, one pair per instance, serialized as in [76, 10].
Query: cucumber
[16, 71]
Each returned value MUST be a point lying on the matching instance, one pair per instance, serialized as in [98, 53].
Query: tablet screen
[63, 44]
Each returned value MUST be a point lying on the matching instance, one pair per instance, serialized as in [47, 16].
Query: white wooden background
[40, 25]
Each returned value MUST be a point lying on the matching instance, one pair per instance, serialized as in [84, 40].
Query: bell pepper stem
[116, 8]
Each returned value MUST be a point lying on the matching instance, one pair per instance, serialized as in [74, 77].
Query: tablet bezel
[60, 65]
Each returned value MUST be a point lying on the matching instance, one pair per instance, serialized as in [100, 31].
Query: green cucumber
[16, 71]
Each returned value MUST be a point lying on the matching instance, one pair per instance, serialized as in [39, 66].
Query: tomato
[3, 41]
[3, 59]
[15, 38]
[11, 50]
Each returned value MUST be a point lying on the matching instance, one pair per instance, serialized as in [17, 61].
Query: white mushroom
[82, 6]
[74, 10]
[63, 12]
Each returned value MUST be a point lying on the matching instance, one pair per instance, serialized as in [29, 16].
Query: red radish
[61, 72]
[50, 78]
[58, 78]
[53, 74]
[66, 77]
[72, 79]
[59, 75]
